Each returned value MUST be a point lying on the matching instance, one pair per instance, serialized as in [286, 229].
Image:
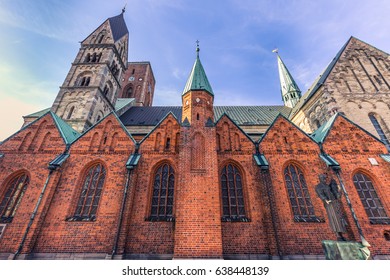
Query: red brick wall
[284, 143]
[242, 237]
[142, 84]
[352, 147]
[147, 237]
[31, 155]
[60, 235]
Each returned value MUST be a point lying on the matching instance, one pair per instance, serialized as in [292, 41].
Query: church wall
[30, 151]
[351, 148]
[242, 238]
[146, 237]
[108, 144]
[284, 144]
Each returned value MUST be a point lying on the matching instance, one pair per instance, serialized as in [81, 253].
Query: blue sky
[39, 40]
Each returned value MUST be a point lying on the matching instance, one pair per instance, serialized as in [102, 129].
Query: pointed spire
[198, 79]
[290, 90]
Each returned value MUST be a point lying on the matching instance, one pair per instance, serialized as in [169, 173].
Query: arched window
[91, 191]
[70, 113]
[298, 193]
[370, 200]
[379, 130]
[129, 92]
[15, 190]
[163, 190]
[233, 208]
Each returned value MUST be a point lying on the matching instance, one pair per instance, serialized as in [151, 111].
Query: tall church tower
[289, 88]
[91, 87]
[198, 230]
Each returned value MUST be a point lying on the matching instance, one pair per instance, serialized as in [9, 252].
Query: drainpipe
[264, 174]
[53, 165]
[336, 168]
[32, 216]
[115, 247]
[130, 165]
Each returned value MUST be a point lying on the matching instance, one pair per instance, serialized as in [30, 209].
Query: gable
[285, 137]
[42, 135]
[108, 135]
[358, 67]
[345, 136]
[230, 137]
[164, 137]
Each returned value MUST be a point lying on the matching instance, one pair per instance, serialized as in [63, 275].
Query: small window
[70, 112]
[168, 143]
[197, 116]
[386, 234]
[2, 229]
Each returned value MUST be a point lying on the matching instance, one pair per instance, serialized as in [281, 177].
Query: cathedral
[104, 174]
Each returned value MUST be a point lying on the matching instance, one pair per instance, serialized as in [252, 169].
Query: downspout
[336, 170]
[32, 216]
[130, 165]
[115, 247]
[263, 173]
[53, 165]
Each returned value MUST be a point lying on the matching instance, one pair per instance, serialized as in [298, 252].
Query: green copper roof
[320, 134]
[38, 114]
[290, 90]
[67, 132]
[198, 79]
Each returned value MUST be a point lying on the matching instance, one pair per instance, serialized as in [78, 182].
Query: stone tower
[289, 88]
[356, 83]
[138, 82]
[91, 87]
[198, 216]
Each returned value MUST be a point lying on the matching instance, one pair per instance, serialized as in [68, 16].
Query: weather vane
[275, 50]
[197, 48]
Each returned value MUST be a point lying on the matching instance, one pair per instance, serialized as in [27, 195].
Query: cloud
[167, 96]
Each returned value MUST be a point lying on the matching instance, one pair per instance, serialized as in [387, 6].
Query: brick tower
[90, 89]
[198, 213]
[138, 82]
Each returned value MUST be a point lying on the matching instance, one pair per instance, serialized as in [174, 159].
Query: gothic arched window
[91, 191]
[162, 197]
[233, 208]
[298, 193]
[129, 92]
[370, 200]
[379, 130]
[15, 190]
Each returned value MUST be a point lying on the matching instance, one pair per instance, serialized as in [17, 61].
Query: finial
[124, 9]
[276, 51]
[197, 48]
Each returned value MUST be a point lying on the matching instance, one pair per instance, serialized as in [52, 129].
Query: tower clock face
[131, 79]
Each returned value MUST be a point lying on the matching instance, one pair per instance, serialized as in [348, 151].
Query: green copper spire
[290, 90]
[198, 79]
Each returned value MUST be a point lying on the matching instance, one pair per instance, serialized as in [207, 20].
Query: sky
[39, 40]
